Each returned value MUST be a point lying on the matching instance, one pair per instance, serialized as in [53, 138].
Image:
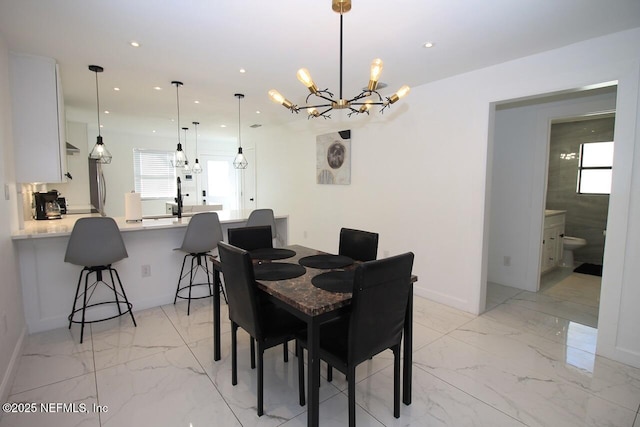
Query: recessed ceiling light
[134, 43]
[257, 111]
[242, 70]
[116, 89]
[106, 111]
[157, 88]
[154, 131]
[428, 44]
[223, 126]
[196, 102]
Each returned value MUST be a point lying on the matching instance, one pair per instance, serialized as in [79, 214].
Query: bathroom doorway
[520, 172]
[579, 185]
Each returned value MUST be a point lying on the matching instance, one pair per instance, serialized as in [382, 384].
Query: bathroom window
[154, 177]
[595, 168]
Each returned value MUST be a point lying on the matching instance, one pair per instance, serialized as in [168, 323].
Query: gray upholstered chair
[259, 217]
[201, 238]
[95, 244]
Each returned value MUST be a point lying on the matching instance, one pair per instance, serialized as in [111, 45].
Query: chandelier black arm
[364, 94]
[319, 94]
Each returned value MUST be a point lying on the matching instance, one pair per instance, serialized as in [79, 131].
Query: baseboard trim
[10, 372]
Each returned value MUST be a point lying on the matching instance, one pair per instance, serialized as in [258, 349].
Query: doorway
[221, 184]
[519, 167]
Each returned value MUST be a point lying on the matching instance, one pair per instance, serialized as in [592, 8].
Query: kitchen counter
[62, 227]
[48, 283]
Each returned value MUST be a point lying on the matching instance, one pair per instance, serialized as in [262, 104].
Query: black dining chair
[358, 245]
[250, 238]
[375, 323]
[267, 324]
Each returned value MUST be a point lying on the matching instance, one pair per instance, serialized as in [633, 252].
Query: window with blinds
[154, 176]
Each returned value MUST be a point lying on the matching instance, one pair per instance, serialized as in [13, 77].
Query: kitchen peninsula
[48, 283]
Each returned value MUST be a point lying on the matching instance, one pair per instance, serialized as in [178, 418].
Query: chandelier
[360, 103]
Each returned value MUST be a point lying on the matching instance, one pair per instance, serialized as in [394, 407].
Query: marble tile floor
[513, 366]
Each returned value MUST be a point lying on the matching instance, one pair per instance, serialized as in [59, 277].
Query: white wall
[419, 177]
[518, 186]
[12, 324]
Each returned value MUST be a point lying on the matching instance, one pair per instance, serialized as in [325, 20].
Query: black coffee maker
[46, 206]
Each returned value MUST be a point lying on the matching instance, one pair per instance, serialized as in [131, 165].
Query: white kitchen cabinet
[552, 240]
[38, 119]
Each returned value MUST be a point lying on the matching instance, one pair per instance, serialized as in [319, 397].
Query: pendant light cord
[178, 105]
[239, 140]
[98, 102]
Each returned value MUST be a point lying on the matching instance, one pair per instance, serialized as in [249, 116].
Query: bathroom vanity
[552, 239]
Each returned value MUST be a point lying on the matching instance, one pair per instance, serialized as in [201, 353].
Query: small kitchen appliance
[46, 206]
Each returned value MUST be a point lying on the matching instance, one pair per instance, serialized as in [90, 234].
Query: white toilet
[569, 245]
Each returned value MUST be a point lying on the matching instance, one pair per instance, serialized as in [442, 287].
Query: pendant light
[186, 169]
[196, 166]
[240, 162]
[180, 157]
[99, 152]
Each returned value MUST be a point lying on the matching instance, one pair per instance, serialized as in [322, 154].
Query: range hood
[72, 149]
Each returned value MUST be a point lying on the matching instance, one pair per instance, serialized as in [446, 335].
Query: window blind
[154, 176]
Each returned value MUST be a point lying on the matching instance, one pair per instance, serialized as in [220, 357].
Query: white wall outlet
[304, 234]
[507, 261]
[145, 270]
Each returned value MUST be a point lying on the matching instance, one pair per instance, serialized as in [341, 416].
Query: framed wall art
[333, 158]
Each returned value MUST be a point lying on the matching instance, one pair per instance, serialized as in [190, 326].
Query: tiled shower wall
[586, 214]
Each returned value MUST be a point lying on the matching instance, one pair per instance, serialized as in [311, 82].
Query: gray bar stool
[95, 244]
[259, 217]
[202, 236]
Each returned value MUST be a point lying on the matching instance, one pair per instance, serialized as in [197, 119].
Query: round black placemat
[335, 281]
[271, 253]
[277, 271]
[326, 261]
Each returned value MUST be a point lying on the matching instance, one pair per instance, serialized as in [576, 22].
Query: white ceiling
[204, 43]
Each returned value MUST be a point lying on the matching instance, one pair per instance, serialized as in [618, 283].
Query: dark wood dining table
[315, 307]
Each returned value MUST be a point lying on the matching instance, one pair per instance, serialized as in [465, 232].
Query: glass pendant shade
[196, 167]
[240, 162]
[100, 152]
[180, 157]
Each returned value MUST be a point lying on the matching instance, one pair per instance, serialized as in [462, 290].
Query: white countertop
[62, 227]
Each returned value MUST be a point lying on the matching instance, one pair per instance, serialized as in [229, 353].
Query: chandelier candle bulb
[401, 93]
[376, 71]
[305, 78]
[279, 99]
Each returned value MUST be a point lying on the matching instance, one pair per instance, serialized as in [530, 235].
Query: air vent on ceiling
[255, 125]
